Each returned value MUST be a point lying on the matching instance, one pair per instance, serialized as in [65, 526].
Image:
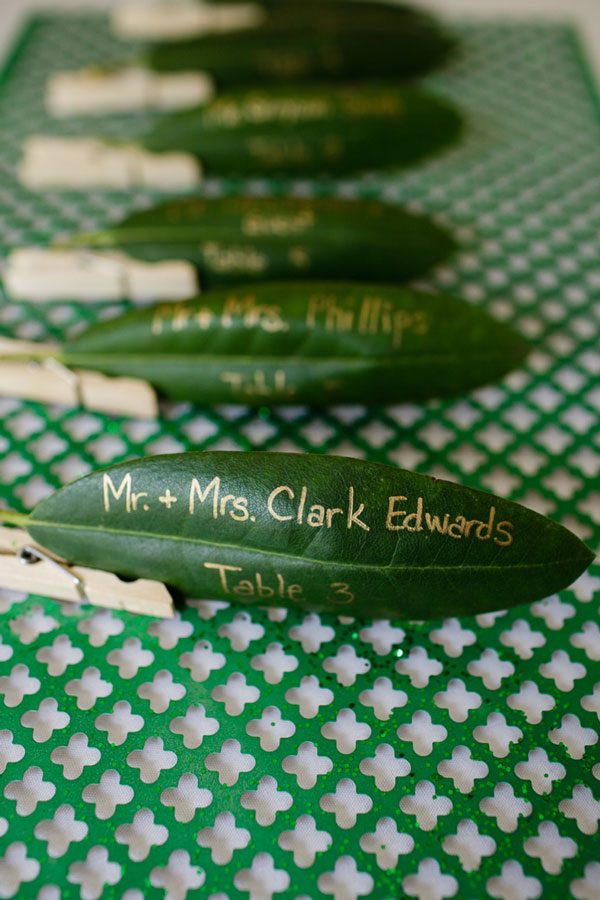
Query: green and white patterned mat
[229, 755]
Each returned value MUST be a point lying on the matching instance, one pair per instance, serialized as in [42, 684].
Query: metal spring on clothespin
[55, 578]
[28, 556]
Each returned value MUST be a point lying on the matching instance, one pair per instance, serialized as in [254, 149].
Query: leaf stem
[32, 355]
[21, 520]
[86, 240]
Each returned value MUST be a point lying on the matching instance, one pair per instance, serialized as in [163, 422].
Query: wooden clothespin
[172, 20]
[95, 89]
[80, 163]
[48, 274]
[26, 567]
[46, 380]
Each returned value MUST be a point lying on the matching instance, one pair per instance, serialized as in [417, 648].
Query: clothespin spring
[29, 555]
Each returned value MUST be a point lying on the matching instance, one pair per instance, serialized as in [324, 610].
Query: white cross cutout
[100, 626]
[224, 838]
[550, 848]
[161, 691]
[522, 639]
[429, 882]
[387, 843]
[419, 667]
[462, 769]
[16, 868]
[346, 731]
[304, 841]
[230, 762]
[531, 702]
[513, 883]
[266, 801]
[453, 637]
[194, 726]
[540, 771]
[151, 759]
[130, 658]
[422, 733]
[469, 845]
[274, 663]
[241, 631]
[385, 767]
[383, 698]
[573, 736]
[235, 694]
[170, 631]
[505, 807]
[120, 723]
[186, 798]
[107, 794]
[178, 877]
[346, 665]
[201, 661]
[345, 882]
[29, 791]
[59, 655]
[9, 751]
[309, 696]
[425, 805]
[311, 633]
[89, 688]
[61, 831]
[346, 803]
[457, 700]
[45, 720]
[262, 879]
[583, 807]
[382, 636]
[96, 871]
[307, 765]
[141, 835]
[270, 729]
[498, 735]
[17, 685]
[75, 756]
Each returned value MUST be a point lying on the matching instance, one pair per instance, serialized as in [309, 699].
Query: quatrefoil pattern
[271, 754]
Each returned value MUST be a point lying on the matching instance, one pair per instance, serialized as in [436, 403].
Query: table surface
[242, 754]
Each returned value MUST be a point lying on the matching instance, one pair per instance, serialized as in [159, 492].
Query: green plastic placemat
[232, 755]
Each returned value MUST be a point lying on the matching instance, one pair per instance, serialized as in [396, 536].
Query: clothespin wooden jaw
[76, 163]
[94, 90]
[24, 566]
[48, 274]
[164, 20]
[43, 378]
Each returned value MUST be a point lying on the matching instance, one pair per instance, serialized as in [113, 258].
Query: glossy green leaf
[308, 129]
[314, 40]
[235, 239]
[318, 532]
[315, 343]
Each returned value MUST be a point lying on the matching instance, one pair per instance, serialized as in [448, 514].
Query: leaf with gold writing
[303, 342]
[234, 239]
[308, 129]
[316, 532]
[313, 39]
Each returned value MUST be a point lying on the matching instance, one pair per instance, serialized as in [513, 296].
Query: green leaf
[318, 532]
[235, 239]
[315, 343]
[308, 129]
[312, 40]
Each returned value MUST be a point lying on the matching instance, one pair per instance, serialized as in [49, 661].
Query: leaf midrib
[195, 232]
[118, 532]
[406, 359]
